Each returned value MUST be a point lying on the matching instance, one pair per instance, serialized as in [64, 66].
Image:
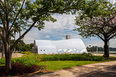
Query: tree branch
[17, 15]
[111, 31]
[11, 7]
[1, 3]
[112, 36]
[7, 16]
[1, 15]
[66, 8]
[55, 11]
[100, 37]
[2, 37]
[109, 21]
[22, 36]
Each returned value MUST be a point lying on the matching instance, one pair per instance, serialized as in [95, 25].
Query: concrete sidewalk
[104, 69]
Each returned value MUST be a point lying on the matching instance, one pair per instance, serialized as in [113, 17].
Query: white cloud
[63, 22]
[54, 31]
[34, 34]
[113, 43]
[47, 36]
[63, 38]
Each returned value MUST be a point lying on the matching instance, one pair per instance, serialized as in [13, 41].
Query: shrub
[2, 61]
[18, 69]
[26, 52]
[28, 60]
[76, 57]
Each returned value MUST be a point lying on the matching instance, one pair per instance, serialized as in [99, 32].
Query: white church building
[59, 46]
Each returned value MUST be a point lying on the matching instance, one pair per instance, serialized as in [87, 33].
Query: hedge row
[32, 59]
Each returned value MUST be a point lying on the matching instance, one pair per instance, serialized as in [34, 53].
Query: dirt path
[14, 55]
[104, 69]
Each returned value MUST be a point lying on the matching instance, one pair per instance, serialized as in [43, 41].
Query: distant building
[60, 46]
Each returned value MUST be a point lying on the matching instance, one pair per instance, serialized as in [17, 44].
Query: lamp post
[97, 49]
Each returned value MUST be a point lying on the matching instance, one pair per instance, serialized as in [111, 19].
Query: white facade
[60, 46]
[45, 47]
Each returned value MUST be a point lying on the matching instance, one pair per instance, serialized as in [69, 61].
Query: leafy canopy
[97, 18]
[22, 13]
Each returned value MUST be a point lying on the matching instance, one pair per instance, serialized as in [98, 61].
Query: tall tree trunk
[3, 51]
[106, 48]
[14, 41]
[8, 55]
[8, 62]
[3, 47]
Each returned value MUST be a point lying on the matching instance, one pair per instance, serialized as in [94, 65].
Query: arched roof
[70, 45]
[43, 42]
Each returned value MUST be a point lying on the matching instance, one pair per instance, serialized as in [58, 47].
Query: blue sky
[59, 29]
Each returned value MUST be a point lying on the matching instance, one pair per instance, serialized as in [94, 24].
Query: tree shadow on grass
[108, 72]
[49, 74]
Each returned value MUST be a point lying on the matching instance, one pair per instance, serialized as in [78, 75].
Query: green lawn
[57, 65]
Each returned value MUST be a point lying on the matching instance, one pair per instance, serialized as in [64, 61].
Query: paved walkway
[14, 55]
[104, 69]
[114, 55]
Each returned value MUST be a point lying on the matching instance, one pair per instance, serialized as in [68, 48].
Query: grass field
[57, 65]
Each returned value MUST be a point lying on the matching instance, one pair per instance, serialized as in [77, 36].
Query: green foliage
[31, 45]
[94, 48]
[74, 57]
[26, 47]
[26, 52]
[28, 60]
[21, 46]
[2, 61]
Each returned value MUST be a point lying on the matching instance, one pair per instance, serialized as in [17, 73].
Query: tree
[31, 45]
[26, 47]
[98, 18]
[28, 14]
[1, 48]
[19, 46]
